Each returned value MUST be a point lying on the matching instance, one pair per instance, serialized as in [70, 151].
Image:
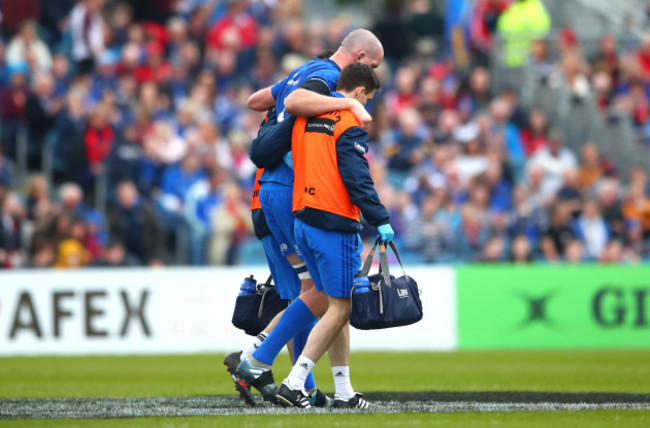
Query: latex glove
[386, 233]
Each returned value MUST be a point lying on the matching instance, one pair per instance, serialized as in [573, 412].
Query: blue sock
[299, 342]
[295, 318]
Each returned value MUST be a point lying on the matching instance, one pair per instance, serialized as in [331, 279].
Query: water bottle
[248, 287]
[361, 284]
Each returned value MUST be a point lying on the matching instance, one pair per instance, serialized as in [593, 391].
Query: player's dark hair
[355, 75]
[325, 54]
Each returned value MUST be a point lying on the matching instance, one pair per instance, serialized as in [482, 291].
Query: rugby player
[305, 92]
[285, 279]
[332, 187]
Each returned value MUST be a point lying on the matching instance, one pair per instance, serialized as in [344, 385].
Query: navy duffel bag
[254, 312]
[389, 302]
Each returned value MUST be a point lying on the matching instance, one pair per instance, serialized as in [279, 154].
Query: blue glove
[386, 233]
[288, 160]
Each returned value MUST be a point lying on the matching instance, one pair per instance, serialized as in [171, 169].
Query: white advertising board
[173, 310]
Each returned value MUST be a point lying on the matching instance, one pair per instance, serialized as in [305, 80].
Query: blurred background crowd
[499, 134]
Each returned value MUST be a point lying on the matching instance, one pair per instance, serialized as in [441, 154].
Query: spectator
[521, 250]
[156, 69]
[13, 100]
[500, 189]
[5, 174]
[231, 222]
[479, 89]
[98, 139]
[87, 28]
[637, 208]
[425, 23]
[176, 181]
[431, 233]
[554, 161]
[635, 241]
[16, 12]
[613, 253]
[105, 77]
[560, 233]
[39, 205]
[393, 31]
[71, 255]
[11, 219]
[125, 158]
[575, 85]
[115, 255]
[643, 56]
[526, 218]
[120, 20]
[69, 150]
[483, 26]
[591, 229]
[591, 169]
[202, 201]
[493, 251]
[43, 254]
[134, 222]
[41, 110]
[408, 142]
[612, 208]
[27, 48]
[471, 234]
[535, 135]
[505, 136]
[520, 24]
[607, 59]
[236, 29]
[574, 253]
[603, 90]
[471, 162]
[570, 193]
[237, 160]
[61, 74]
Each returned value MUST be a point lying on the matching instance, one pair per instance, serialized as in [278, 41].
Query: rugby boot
[231, 362]
[319, 399]
[259, 378]
[289, 397]
[355, 402]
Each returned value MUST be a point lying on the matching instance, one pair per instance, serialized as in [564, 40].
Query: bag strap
[383, 264]
[367, 264]
[267, 285]
[270, 278]
[383, 260]
[399, 259]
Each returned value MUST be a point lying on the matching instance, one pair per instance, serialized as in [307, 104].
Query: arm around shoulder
[261, 100]
[305, 103]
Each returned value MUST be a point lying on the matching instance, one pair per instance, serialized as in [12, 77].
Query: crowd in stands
[148, 98]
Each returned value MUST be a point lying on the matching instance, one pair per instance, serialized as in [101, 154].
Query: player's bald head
[364, 46]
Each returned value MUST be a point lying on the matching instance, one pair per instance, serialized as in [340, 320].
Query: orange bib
[317, 182]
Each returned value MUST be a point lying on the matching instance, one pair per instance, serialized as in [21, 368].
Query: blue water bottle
[248, 287]
[361, 284]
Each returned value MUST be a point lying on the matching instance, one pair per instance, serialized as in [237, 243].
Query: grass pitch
[471, 389]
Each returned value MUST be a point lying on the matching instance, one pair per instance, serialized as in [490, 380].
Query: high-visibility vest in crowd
[523, 22]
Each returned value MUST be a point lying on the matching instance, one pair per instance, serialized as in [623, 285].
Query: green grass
[599, 418]
[569, 371]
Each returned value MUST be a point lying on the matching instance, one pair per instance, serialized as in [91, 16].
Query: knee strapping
[301, 271]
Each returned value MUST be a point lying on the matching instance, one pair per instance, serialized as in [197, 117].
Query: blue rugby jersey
[322, 70]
